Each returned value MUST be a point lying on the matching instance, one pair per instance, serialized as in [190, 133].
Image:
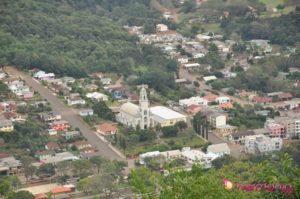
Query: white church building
[143, 116]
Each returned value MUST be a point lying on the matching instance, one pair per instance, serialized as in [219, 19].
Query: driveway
[68, 114]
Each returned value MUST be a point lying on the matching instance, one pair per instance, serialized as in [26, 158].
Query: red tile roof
[58, 190]
[40, 196]
[227, 105]
[107, 127]
[210, 97]
[262, 99]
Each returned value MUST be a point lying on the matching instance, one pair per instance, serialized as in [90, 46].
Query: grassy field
[272, 3]
[183, 139]
[213, 27]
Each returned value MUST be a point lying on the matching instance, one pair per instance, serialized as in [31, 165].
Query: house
[27, 95]
[52, 146]
[75, 99]
[222, 99]
[262, 144]
[191, 65]
[210, 98]
[239, 137]
[285, 96]
[171, 155]
[225, 130]
[226, 105]
[193, 101]
[161, 28]
[107, 129]
[50, 116]
[42, 75]
[202, 38]
[262, 100]
[228, 74]
[14, 117]
[87, 150]
[276, 129]
[106, 81]
[209, 78]
[8, 106]
[183, 59]
[193, 109]
[67, 80]
[291, 124]
[52, 132]
[86, 112]
[6, 125]
[58, 157]
[219, 149]
[91, 87]
[71, 134]
[43, 154]
[193, 156]
[9, 165]
[81, 144]
[97, 96]
[59, 125]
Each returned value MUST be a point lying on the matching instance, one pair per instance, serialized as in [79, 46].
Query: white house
[161, 28]
[219, 149]
[193, 156]
[209, 78]
[222, 99]
[75, 99]
[97, 96]
[193, 100]
[191, 65]
[42, 75]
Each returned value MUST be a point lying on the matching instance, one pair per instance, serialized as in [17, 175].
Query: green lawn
[212, 27]
[272, 3]
[184, 139]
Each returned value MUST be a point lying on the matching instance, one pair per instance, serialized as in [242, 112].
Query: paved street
[68, 114]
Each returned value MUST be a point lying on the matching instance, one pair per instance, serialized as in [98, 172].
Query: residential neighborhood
[150, 99]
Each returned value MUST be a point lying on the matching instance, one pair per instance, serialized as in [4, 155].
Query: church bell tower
[144, 109]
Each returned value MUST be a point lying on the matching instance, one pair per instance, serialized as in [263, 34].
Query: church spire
[144, 108]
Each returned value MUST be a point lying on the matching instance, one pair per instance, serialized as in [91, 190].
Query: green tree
[101, 109]
[21, 195]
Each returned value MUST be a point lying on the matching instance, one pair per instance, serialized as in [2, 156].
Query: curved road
[68, 114]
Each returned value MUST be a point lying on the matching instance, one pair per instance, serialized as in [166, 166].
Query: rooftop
[217, 148]
[165, 113]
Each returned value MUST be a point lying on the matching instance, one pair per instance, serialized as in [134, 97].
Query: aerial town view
[146, 99]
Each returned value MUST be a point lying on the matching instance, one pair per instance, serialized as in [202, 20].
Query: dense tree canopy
[77, 37]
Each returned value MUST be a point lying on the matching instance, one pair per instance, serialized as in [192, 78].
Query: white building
[141, 115]
[196, 156]
[42, 75]
[97, 96]
[193, 100]
[209, 78]
[262, 144]
[222, 99]
[216, 119]
[161, 28]
[219, 149]
[191, 65]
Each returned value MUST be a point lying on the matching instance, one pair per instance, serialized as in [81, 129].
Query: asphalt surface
[68, 114]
